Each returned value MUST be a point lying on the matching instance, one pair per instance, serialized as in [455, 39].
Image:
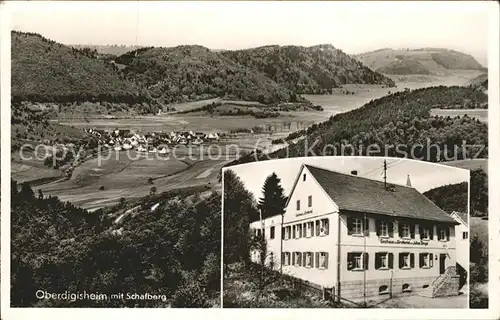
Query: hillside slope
[46, 71]
[186, 73]
[434, 61]
[397, 125]
[307, 70]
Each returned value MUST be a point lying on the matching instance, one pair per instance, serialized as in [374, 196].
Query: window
[297, 231]
[383, 290]
[405, 230]
[288, 232]
[425, 234]
[383, 228]
[465, 235]
[406, 287]
[272, 233]
[426, 260]
[384, 260]
[298, 259]
[285, 260]
[310, 201]
[322, 260]
[357, 261]
[298, 204]
[322, 228]
[310, 229]
[309, 260]
[406, 260]
[304, 177]
[355, 226]
[443, 234]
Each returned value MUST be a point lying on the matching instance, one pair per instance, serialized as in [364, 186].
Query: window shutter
[326, 260]
[282, 258]
[304, 259]
[350, 262]
[391, 228]
[431, 260]
[412, 260]
[294, 232]
[378, 225]
[391, 260]
[420, 230]
[283, 233]
[365, 260]
[420, 260]
[431, 232]
[299, 258]
[400, 231]
[366, 226]
[350, 225]
[312, 228]
[400, 260]
[447, 233]
[317, 227]
[377, 260]
[316, 258]
[293, 258]
[412, 230]
[327, 226]
[304, 229]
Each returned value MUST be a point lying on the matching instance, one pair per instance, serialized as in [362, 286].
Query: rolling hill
[426, 61]
[46, 71]
[187, 73]
[393, 126]
[307, 70]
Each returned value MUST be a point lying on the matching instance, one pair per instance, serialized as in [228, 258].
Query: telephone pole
[385, 174]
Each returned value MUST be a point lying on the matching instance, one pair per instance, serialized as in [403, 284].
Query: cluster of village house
[125, 139]
[359, 237]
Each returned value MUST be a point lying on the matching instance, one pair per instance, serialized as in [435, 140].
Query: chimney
[408, 181]
[354, 172]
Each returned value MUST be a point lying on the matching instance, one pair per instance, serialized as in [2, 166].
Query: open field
[452, 78]
[122, 176]
[480, 114]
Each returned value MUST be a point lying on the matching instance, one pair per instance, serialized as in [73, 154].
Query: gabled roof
[354, 193]
[462, 216]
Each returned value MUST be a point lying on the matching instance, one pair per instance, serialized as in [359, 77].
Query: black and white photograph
[249, 154]
[347, 232]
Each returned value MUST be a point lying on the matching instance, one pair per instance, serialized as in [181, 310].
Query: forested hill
[398, 125]
[307, 70]
[437, 61]
[195, 72]
[46, 71]
[57, 247]
[454, 197]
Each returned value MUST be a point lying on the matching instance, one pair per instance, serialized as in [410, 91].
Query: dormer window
[298, 205]
[304, 177]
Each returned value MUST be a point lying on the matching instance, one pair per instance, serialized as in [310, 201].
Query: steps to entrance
[447, 284]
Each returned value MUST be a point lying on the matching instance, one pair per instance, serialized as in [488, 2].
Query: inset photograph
[339, 232]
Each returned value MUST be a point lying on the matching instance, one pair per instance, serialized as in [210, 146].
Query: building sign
[403, 241]
[303, 213]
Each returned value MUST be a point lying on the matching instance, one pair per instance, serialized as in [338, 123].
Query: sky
[351, 26]
[423, 175]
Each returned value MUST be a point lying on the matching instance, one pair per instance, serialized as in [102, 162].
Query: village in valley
[155, 142]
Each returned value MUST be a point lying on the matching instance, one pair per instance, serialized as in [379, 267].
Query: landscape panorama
[117, 149]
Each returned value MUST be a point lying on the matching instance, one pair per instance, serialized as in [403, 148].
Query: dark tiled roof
[355, 193]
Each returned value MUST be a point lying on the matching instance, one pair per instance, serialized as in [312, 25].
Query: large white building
[358, 237]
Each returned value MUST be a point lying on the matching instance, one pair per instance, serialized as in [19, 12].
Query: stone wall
[354, 289]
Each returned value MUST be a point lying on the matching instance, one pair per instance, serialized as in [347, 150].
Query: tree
[239, 206]
[273, 201]
[150, 180]
[152, 191]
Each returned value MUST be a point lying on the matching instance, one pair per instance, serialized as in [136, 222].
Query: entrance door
[442, 260]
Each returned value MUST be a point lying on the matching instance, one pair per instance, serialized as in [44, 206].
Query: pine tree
[273, 202]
